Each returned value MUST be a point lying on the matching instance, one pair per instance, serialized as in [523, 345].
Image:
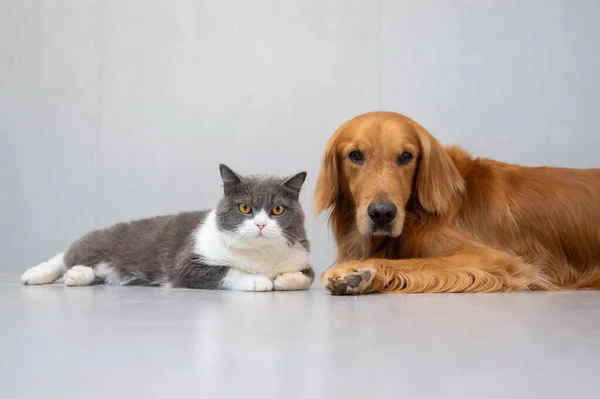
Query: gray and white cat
[253, 241]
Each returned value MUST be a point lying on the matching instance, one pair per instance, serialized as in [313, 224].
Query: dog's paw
[354, 279]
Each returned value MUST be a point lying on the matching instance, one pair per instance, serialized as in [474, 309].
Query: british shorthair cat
[254, 240]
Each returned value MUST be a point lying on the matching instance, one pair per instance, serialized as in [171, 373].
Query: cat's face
[261, 210]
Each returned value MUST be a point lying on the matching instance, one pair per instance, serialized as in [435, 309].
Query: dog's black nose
[381, 213]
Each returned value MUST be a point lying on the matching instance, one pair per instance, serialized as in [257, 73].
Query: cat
[254, 240]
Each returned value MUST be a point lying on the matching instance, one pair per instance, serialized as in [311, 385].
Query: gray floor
[119, 342]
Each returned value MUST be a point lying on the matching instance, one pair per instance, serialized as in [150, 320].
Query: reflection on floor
[134, 342]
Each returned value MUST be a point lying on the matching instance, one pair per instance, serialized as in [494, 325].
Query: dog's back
[548, 216]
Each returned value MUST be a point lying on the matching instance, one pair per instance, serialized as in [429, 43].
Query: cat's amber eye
[245, 208]
[278, 210]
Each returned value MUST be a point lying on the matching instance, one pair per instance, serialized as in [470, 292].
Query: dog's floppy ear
[438, 183]
[326, 191]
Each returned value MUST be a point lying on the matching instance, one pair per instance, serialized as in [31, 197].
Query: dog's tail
[46, 272]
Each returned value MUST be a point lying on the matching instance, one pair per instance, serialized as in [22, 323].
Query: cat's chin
[260, 240]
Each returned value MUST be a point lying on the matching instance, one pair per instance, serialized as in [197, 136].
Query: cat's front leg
[238, 280]
[294, 281]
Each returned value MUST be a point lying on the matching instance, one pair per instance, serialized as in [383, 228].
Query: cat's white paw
[38, 275]
[240, 281]
[257, 283]
[79, 275]
[291, 281]
[45, 273]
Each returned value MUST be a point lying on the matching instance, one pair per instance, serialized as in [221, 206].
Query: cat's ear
[295, 182]
[230, 178]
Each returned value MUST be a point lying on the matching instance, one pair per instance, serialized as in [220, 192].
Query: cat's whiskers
[287, 240]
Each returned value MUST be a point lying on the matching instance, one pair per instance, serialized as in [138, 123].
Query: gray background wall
[113, 109]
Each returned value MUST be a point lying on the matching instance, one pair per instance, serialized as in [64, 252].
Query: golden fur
[463, 224]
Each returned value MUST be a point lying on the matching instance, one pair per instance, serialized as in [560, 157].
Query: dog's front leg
[480, 270]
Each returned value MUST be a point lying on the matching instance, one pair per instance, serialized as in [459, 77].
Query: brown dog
[409, 216]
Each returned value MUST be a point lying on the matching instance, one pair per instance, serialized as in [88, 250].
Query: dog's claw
[354, 280]
[339, 288]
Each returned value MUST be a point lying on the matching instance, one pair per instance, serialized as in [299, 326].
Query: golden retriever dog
[409, 216]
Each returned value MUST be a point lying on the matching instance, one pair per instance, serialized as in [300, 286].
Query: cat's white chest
[270, 261]
[216, 248]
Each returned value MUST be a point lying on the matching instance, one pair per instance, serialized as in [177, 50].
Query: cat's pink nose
[261, 225]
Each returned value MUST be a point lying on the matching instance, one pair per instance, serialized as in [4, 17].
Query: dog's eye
[356, 156]
[405, 158]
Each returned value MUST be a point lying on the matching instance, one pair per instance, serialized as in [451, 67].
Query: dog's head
[374, 163]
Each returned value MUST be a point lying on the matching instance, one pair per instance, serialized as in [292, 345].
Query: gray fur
[309, 273]
[263, 192]
[160, 250]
